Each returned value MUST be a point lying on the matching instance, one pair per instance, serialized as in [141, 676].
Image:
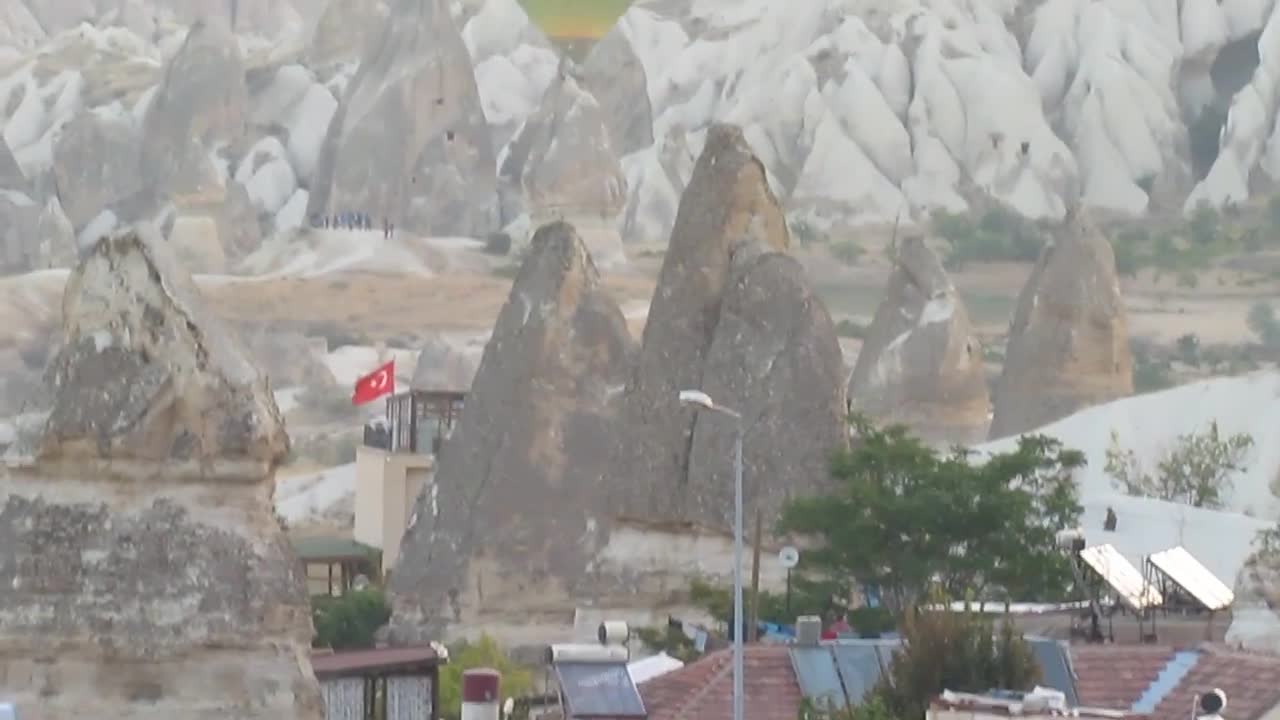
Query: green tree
[1197, 470]
[484, 653]
[954, 651]
[1262, 321]
[905, 517]
[962, 652]
[349, 622]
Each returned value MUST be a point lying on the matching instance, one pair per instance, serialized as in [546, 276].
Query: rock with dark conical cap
[921, 364]
[1069, 340]
[140, 542]
[519, 506]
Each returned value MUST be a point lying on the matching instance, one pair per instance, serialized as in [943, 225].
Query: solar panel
[860, 667]
[599, 690]
[1054, 669]
[1192, 576]
[1122, 576]
[818, 678]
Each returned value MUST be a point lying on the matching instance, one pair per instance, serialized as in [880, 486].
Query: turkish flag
[376, 384]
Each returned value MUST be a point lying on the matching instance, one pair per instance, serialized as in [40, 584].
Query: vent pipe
[1209, 706]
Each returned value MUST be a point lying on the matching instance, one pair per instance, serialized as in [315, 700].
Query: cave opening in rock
[1231, 71]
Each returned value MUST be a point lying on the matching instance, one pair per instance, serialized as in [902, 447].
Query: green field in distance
[575, 18]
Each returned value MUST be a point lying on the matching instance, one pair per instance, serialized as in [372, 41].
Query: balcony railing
[417, 421]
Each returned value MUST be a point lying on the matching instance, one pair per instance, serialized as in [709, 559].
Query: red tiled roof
[1251, 682]
[1115, 676]
[703, 690]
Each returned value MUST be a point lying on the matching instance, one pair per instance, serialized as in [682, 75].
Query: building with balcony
[395, 464]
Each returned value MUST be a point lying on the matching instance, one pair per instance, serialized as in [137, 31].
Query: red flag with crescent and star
[376, 384]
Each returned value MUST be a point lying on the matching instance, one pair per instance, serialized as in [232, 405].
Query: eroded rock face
[1069, 341]
[709, 324]
[615, 75]
[775, 359]
[409, 140]
[95, 165]
[444, 366]
[345, 29]
[202, 101]
[19, 243]
[571, 165]
[140, 542]
[921, 364]
[519, 506]
[146, 375]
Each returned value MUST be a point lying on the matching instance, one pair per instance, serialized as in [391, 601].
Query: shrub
[1196, 471]
[851, 329]
[349, 622]
[484, 653]
[1262, 321]
[1204, 226]
[999, 235]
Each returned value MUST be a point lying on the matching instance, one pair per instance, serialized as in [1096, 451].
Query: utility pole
[755, 581]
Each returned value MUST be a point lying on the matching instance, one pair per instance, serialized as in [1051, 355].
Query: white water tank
[8, 711]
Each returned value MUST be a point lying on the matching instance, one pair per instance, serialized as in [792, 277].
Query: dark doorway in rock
[1231, 71]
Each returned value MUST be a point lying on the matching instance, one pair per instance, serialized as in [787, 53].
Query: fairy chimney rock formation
[202, 101]
[1069, 341]
[145, 575]
[409, 141]
[921, 364]
[519, 507]
[775, 359]
[711, 325]
[568, 169]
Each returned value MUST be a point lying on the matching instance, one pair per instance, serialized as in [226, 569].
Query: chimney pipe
[480, 694]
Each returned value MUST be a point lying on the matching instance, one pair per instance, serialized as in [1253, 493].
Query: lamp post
[701, 401]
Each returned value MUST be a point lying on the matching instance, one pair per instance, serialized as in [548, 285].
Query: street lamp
[701, 401]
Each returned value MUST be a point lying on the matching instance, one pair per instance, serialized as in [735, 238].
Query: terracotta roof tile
[703, 690]
[1251, 682]
[1115, 676]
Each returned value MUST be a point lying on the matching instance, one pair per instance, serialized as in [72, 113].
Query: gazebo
[332, 563]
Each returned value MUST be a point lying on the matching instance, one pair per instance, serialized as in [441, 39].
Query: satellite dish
[789, 557]
[1213, 702]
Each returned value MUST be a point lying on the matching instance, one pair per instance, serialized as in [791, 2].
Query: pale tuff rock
[127, 305]
[443, 366]
[614, 74]
[140, 542]
[201, 102]
[346, 28]
[1069, 340]
[409, 141]
[921, 364]
[95, 166]
[520, 503]
[564, 163]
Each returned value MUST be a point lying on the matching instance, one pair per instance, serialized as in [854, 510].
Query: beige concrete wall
[387, 487]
